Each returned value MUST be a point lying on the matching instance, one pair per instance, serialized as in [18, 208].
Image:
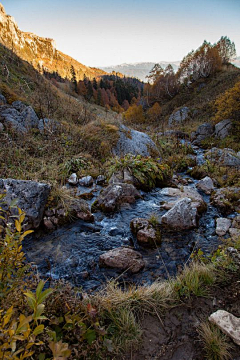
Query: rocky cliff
[40, 52]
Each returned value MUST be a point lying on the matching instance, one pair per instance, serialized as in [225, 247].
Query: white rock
[73, 180]
[223, 226]
[228, 323]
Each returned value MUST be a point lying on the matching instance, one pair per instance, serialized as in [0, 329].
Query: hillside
[42, 53]
[138, 70]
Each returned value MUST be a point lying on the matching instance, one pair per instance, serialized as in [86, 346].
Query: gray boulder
[31, 195]
[224, 157]
[223, 128]
[206, 185]
[179, 116]
[122, 259]
[73, 180]
[135, 143]
[182, 216]
[13, 119]
[3, 100]
[86, 181]
[114, 195]
[223, 225]
[185, 192]
[203, 132]
[228, 323]
[30, 118]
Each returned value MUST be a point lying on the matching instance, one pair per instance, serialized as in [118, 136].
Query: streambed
[72, 252]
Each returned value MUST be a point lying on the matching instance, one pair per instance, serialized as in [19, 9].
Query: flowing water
[72, 252]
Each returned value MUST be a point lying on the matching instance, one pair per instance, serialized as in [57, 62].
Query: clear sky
[111, 32]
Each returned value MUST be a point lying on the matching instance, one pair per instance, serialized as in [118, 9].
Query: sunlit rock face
[40, 52]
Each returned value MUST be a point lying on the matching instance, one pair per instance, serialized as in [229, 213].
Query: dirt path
[176, 338]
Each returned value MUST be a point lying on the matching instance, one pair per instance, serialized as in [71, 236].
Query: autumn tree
[154, 112]
[226, 49]
[134, 114]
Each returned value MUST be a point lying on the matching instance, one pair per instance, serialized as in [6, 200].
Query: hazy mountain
[236, 62]
[40, 52]
[139, 70]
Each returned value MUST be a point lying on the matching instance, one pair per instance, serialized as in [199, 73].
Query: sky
[110, 32]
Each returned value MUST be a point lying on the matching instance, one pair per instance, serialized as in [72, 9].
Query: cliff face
[40, 52]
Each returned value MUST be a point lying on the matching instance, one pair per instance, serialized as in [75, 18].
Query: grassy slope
[86, 130]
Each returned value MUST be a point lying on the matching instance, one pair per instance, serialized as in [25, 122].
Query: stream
[72, 252]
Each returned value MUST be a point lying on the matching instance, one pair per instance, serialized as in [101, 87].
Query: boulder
[222, 226]
[179, 116]
[226, 199]
[206, 185]
[111, 198]
[236, 222]
[223, 128]
[31, 195]
[3, 100]
[234, 233]
[19, 105]
[30, 119]
[182, 216]
[203, 132]
[224, 157]
[73, 180]
[1, 127]
[86, 181]
[12, 118]
[135, 143]
[186, 192]
[228, 323]
[122, 259]
[101, 179]
[146, 233]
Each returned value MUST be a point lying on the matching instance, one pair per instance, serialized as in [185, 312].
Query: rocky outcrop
[226, 199]
[179, 116]
[182, 216]
[224, 157]
[77, 209]
[223, 128]
[206, 185]
[228, 323]
[39, 51]
[135, 143]
[111, 198]
[22, 118]
[185, 192]
[203, 132]
[122, 259]
[147, 234]
[31, 195]
[222, 226]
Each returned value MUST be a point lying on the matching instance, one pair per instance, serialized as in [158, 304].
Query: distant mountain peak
[139, 69]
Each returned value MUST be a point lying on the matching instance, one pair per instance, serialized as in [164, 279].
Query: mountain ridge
[139, 69]
[41, 52]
